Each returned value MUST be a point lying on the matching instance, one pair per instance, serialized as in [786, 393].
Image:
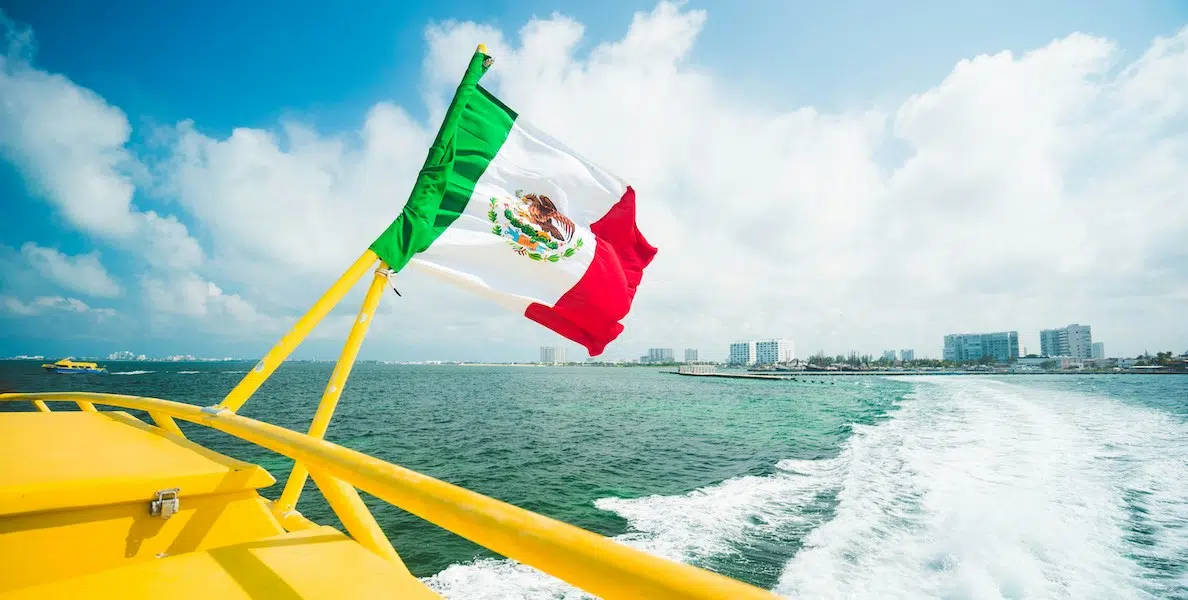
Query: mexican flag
[503, 209]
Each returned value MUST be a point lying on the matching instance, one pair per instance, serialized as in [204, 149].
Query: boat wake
[984, 489]
[131, 372]
[692, 527]
[975, 488]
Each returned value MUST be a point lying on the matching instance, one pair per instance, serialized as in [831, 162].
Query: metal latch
[165, 503]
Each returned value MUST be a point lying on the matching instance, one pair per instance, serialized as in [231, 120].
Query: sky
[188, 179]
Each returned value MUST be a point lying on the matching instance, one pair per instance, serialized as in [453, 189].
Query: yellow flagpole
[283, 348]
[263, 369]
[342, 369]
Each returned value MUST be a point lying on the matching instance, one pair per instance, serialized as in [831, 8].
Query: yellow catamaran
[98, 503]
[70, 366]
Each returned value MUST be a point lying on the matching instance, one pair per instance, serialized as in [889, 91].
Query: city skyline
[164, 218]
[1093, 349]
[557, 354]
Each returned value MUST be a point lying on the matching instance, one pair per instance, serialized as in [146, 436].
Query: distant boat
[70, 366]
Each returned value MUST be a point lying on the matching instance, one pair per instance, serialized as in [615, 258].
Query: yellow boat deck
[75, 521]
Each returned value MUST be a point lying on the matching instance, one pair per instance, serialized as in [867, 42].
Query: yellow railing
[589, 561]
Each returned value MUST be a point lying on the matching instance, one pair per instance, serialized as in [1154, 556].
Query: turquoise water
[947, 487]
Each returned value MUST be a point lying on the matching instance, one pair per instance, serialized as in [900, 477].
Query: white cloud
[83, 273]
[295, 199]
[52, 304]
[1033, 186]
[71, 145]
[191, 296]
[16, 307]
[1021, 191]
[167, 243]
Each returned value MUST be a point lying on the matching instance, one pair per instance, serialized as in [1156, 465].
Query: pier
[805, 375]
[736, 375]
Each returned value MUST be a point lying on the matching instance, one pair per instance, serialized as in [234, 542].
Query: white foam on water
[688, 527]
[131, 372]
[499, 579]
[974, 489]
[705, 522]
[188, 372]
[983, 489]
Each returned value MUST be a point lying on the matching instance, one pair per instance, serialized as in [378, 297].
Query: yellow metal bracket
[342, 496]
[344, 500]
[342, 370]
[277, 355]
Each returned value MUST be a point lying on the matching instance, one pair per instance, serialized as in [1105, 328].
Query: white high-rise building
[1075, 341]
[1080, 341]
[1053, 342]
[889, 355]
[660, 355]
[690, 354]
[771, 352]
[742, 353]
[907, 354]
[1098, 349]
[1003, 346]
[551, 355]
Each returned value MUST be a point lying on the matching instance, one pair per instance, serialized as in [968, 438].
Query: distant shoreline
[665, 368]
[795, 375]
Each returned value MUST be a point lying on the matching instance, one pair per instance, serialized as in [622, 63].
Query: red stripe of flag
[590, 311]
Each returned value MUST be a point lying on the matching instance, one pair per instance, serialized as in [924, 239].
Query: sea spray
[985, 489]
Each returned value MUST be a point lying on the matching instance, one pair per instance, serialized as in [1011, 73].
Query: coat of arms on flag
[534, 227]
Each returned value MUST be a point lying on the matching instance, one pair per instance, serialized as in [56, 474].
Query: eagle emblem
[533, 226]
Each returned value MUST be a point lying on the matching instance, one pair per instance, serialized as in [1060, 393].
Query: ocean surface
[953, 487]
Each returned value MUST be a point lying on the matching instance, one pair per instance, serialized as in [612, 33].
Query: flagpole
[342, 369]
[283, 348]
[299, 475]
[267, 365]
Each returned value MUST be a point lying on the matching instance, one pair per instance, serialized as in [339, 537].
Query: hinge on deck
[165, 503]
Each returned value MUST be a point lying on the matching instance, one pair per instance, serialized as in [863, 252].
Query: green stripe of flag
[475, 127]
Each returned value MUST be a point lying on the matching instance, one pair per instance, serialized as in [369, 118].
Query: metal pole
[277, 355]
[342, 370]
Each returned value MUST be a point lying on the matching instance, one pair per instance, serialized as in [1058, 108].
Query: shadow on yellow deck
[75, 521]
[315, 563]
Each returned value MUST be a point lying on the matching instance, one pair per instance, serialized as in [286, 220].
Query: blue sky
[222, 66]
[225, 65]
